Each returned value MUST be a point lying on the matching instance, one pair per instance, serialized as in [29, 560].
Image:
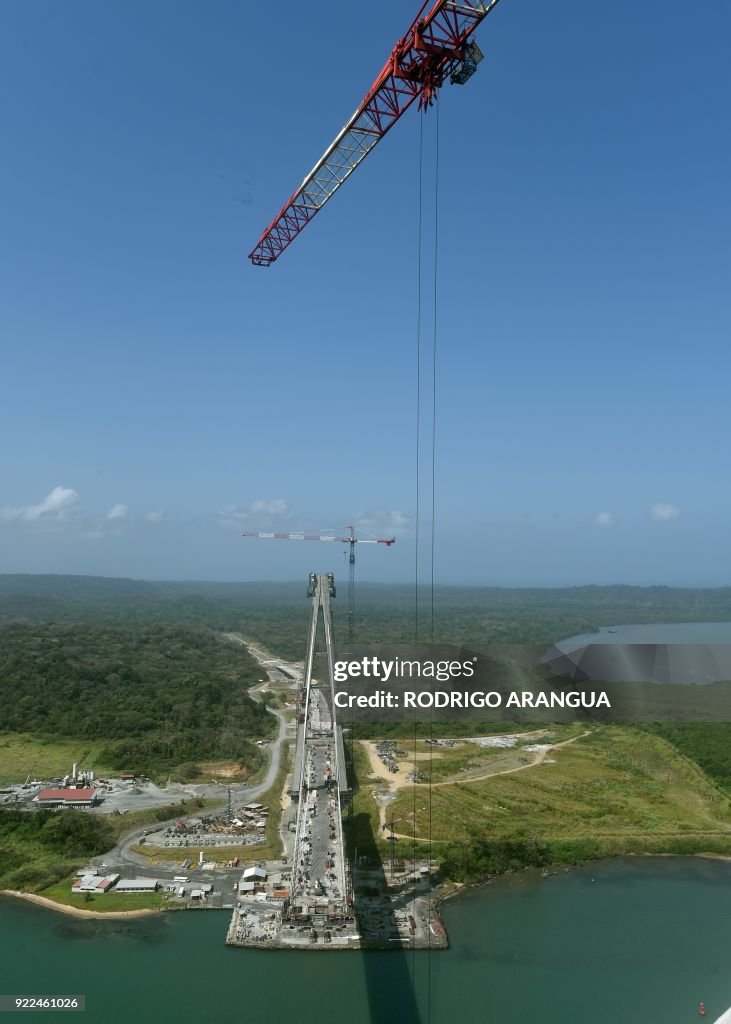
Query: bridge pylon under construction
[321, 889]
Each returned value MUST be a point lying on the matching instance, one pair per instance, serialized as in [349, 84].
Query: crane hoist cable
[433, 509]
[437, 46]
[431, 409]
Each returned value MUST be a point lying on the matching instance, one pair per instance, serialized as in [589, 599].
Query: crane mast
[435, 47]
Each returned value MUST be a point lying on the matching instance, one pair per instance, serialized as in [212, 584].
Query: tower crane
[436, 46]
[350, 540]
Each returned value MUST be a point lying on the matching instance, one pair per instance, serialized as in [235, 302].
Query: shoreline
[441, 896]
[447, 893]
[65, 908]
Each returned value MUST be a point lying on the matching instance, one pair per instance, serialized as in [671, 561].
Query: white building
[254, 875]
[138, 885]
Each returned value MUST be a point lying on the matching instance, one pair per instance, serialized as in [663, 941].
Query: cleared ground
[271, 848]
[467, 761]
[612, 785]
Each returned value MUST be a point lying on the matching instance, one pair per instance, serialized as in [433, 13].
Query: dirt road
[379, 769]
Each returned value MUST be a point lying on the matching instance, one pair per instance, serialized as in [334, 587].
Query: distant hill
[73, 587]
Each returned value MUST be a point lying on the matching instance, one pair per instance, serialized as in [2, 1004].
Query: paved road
[276, 747]
[123, 857]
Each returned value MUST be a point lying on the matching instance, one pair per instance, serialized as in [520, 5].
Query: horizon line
[376, 583]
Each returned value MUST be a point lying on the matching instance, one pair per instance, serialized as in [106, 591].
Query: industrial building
[86, 797]
[138, 885]
[94, 883]
[254, 875]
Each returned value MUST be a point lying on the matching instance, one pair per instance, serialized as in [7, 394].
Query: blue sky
[159, 394]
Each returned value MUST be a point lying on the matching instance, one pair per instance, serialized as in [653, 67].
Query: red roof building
[94, 883]
[67, 797]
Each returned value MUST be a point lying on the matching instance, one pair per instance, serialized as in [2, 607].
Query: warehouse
[67, 797]
[254, 875]
[137, 885]
[94, 883]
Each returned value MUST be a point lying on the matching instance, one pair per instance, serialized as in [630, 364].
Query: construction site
[318, 907]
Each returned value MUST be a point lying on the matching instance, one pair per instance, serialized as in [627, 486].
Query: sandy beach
[63, 908]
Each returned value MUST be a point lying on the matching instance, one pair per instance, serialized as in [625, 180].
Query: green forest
[38, 849]
[160, 696]
[141, 666]
[276, 614]
[708, 744]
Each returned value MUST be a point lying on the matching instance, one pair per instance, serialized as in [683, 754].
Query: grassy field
[616, 787]
[361, 828]
[270, 848]
[21, 755]
[108, 903]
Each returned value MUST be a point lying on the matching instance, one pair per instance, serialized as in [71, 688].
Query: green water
[623, 942]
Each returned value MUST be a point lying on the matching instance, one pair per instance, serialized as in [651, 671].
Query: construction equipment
[351, 540]
[435, 47]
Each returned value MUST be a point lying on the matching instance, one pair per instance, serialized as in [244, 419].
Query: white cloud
[58, 504]
[156, 516]
[117, 512]
[259, 512]
[605, 519]
[662, 512]
[273, 507]
[385, 522]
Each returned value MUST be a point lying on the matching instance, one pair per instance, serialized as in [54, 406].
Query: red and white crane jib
[435, 47]
[291, 536]
[319, 536]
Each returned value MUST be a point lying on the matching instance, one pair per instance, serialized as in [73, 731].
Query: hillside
[614, 791]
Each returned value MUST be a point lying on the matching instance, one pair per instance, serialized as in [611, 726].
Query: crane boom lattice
[435, 47]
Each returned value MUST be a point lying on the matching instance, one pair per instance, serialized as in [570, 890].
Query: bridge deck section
[299, 757]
